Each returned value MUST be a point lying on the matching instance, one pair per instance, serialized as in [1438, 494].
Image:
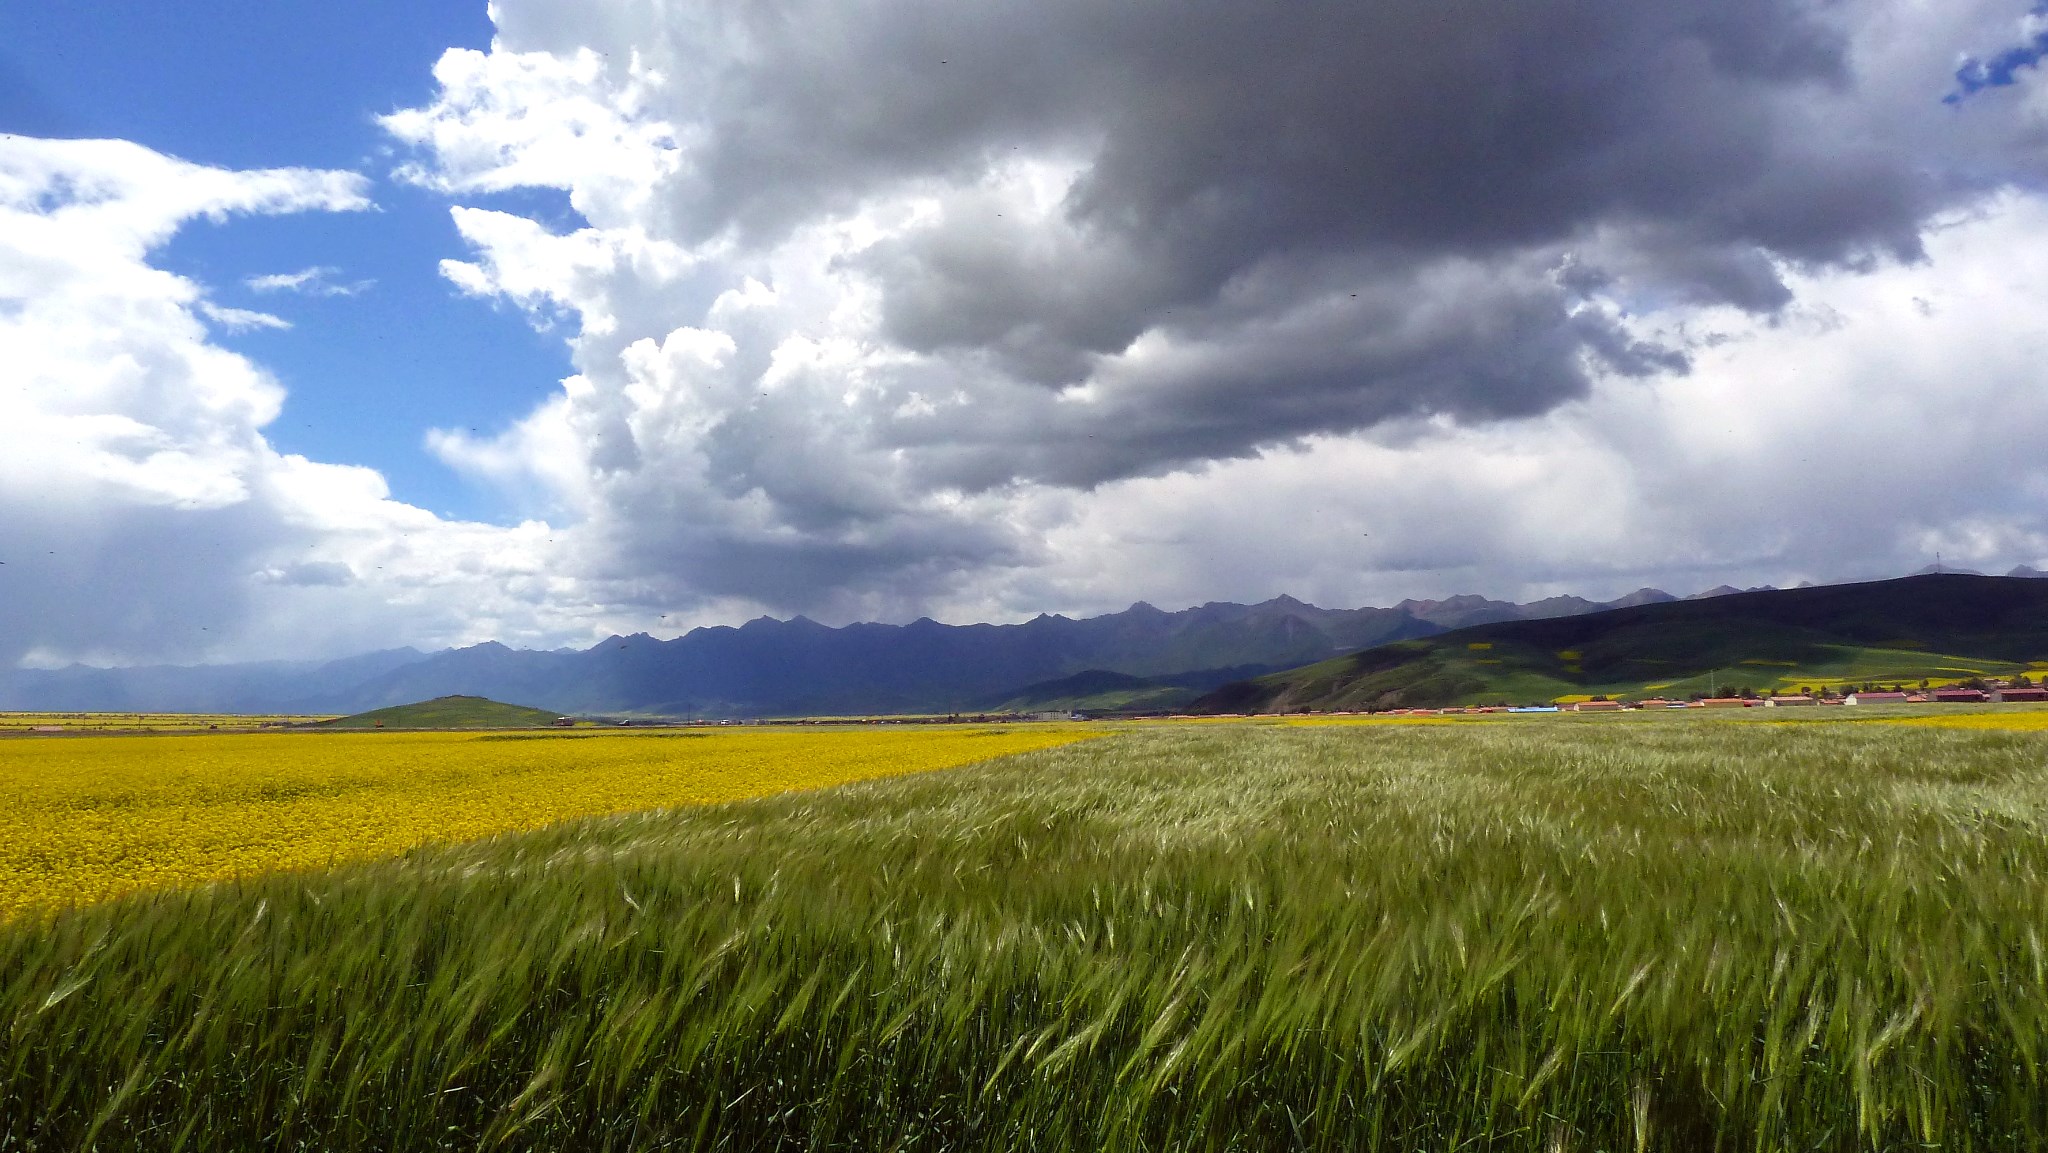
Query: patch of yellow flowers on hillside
[86, 818]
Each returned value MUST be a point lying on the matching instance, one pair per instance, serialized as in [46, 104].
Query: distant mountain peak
[1559, 606]
[1642, 596]
[1458, 601]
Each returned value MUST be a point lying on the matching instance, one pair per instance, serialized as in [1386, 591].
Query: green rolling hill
[452, 712]
[1097, 690]
[1101, 691]
[1939, 628]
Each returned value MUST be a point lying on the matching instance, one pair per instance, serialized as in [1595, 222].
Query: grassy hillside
[1103, 691]
[1632, 933]
[1939, 628]
[1098, 690]
[451, 712]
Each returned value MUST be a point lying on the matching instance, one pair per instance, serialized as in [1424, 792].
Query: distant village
[1975, 691]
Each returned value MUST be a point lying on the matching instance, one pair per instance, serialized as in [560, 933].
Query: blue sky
[261, 84]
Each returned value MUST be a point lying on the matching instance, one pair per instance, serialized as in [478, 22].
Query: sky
[326, 329]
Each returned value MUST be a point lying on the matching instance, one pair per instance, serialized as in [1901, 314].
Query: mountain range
[1140, 657]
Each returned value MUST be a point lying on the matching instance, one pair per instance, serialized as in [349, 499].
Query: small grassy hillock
[451, 712]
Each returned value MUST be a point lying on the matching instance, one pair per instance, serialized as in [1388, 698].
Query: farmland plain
[1561, 933]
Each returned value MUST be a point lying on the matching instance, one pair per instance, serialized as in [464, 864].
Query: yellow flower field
[86, 818]
[1406, 719]
[149, 722]
[2011, 718]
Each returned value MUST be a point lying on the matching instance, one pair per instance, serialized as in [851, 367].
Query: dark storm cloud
[1284, 360]
[1233, 156]
[1432, 123]
[1127, 240]
[1225, 132]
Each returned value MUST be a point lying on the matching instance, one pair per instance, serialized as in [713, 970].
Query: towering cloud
[877, 301]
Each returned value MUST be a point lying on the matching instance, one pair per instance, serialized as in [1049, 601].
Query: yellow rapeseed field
[152, 722]
[2009, 717]
[86, 818]
[1405, 719]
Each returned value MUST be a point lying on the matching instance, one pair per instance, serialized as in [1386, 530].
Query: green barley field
[1557, 934]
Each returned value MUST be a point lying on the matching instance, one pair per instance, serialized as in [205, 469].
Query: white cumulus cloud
[143, 513]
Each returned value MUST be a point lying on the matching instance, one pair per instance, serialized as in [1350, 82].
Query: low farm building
[1877, 698]
[1787, 702]
[1958, 696]
[2017, 695]
[1725, 703]
[1596, 706]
